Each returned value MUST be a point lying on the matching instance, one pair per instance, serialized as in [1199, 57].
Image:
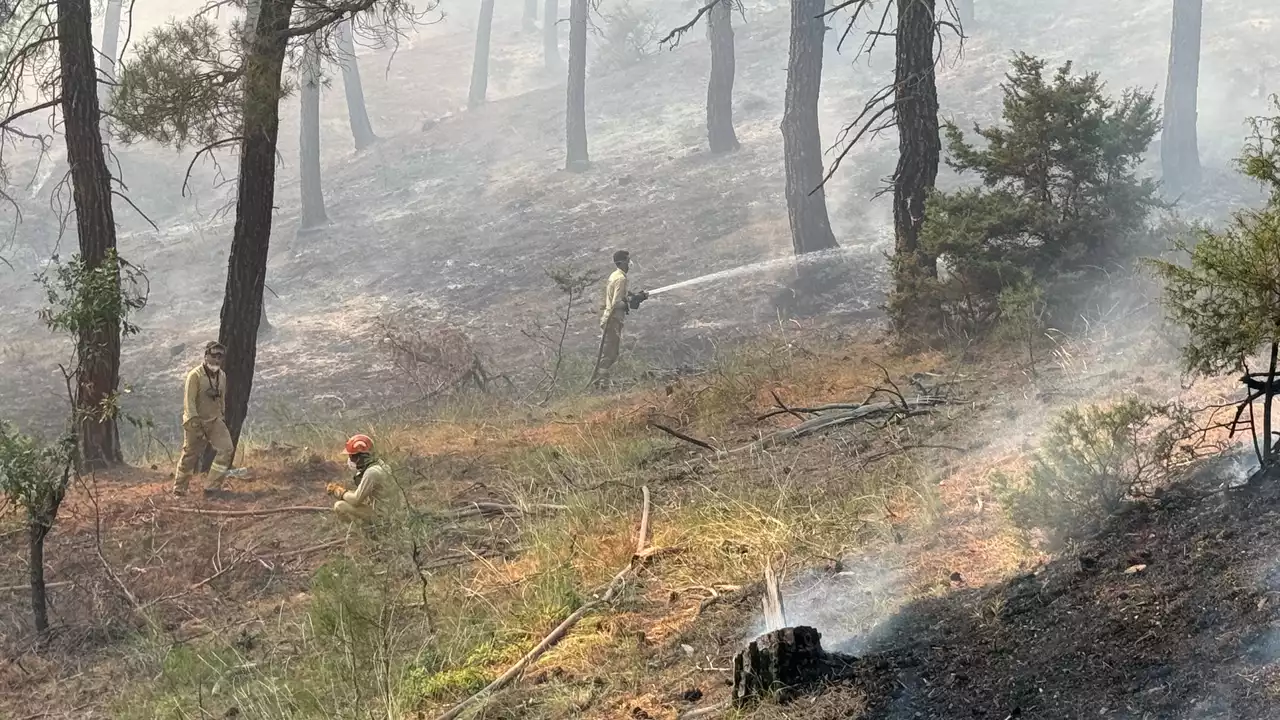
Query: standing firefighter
[203, 426]
[617, 303]
[371, 476]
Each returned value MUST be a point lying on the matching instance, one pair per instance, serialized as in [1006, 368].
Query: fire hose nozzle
[634, 299]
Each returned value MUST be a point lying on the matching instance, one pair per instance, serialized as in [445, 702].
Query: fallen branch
[27, 586]
[249, 513]
[703, 712]
[489, 509]
[615, 586]
[835, 419]
[681, 436]
[783, 406]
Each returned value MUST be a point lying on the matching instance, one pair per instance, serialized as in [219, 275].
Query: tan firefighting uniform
[360, 504]
[203, 426]
[615, 311]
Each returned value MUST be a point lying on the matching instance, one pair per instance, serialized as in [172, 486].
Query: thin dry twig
[681, 436]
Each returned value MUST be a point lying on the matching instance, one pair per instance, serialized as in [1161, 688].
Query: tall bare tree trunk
[576, 157]
[313, 214]
[36, 533]
[107, 58]
[720, 134]
[1179, 154]
[1268, 441]
[99, 347]
[530, 19]
[361, 128]
[919, 151]
[255, 197]
[801, 140]
[551, 35]
[480, 61]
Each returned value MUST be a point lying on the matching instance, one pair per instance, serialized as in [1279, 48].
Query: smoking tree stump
[781, 660]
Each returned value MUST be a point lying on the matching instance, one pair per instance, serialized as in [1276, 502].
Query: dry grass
[875, 515]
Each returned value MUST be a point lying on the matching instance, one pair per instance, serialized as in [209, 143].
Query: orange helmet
[358, 445]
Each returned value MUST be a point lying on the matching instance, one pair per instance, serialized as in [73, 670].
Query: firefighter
[617, 302]
[203, 426]
[371, 476]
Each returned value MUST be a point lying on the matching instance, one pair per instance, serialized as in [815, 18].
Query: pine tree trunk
[313, 214]
[801, 141]
[551, 36]
[530, 18]
[1179, 154]
[720, 134]
[108, 56]
[246, 267]
[480, 62]
[576, 157]
[964, 12]
[919, 152]
[36, 533]
[99, 347]
[361, 128]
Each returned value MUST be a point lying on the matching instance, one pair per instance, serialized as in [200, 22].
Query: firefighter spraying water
[617, 303]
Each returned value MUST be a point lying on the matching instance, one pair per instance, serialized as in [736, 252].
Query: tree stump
[781, 661]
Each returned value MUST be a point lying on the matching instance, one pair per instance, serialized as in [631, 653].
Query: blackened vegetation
[783, 662]
[1168, 613]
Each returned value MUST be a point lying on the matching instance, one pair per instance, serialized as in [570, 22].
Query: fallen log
[782, 662]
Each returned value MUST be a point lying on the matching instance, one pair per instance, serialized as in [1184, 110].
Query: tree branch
[186, 179]
[677, 34]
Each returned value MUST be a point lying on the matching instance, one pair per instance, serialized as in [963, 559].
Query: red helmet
[358, 445]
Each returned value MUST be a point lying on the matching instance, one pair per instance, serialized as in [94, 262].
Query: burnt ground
[1171, 612]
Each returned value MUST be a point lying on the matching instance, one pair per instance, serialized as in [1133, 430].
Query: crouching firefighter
[617, 303]
[371, 477]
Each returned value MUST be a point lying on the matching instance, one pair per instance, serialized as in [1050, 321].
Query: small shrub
[629, 36]
[1092, 462]
[436, 358]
